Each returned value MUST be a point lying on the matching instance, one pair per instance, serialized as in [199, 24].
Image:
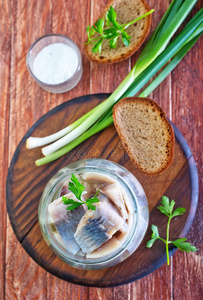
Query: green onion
[33, 142]
[108, 120]
[167, 54]
[177, 58]
[139, 67]
[155, 55]
[100, 126]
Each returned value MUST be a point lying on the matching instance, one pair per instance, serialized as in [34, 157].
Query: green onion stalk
[157, 45]
[108, 120]
[157, 52]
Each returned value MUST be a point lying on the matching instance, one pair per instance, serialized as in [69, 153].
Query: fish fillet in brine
[66, 222]
[108, 203]
[113, 193]
[97, 178]
[96, 227]
[106, 249]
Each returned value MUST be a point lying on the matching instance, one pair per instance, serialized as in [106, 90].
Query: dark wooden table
[22, 103]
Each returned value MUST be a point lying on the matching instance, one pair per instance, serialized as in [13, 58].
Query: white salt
[55, 63]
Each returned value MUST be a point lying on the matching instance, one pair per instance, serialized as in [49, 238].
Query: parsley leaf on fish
[77, 189]
[92, 200]
[167, 209]
[72, 204]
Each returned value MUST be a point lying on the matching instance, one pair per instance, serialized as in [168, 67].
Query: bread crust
[91, 56]
[169, 128]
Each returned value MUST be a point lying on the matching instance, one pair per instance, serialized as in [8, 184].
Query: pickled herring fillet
[111, 245]
[97, 178]
[104, 199]
[96, 227]
[66, 222]
[64, 190]
[112, 191]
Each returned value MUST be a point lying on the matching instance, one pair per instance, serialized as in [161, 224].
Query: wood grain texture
[23, 102]
[65, 14]
[162, 96]
[23, 277]
[187, 112]
[25, 184]
[5, 57]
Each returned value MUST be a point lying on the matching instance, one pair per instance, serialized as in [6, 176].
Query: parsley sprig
[111, 31]
[167, 209]
[77, 189]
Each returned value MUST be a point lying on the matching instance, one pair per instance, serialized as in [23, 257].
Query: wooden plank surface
[23, 102]
[25, 184]
[5, 60]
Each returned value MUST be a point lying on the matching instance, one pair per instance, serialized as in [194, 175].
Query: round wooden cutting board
[25, 183]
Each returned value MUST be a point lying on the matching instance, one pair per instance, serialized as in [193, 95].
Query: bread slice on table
[127, 10]
[146, 134]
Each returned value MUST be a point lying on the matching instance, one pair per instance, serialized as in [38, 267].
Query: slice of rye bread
[127, 10]
[146, 134]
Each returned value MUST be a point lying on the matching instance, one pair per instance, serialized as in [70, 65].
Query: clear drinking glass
[133, 191]
[44, 41]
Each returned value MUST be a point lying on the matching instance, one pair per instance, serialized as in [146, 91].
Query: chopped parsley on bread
[127, 10]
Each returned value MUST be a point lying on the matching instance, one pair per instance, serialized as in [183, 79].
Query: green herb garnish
[77, 189]
[111, 32]
[167, 209]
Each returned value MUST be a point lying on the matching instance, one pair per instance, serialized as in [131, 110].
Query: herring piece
[113, 192]
[111, 245]
[64, 189]
[58, 237]
[97, 178]
[66, 222]
[96, 227]
[124, 228]
[104, 199]
[108, 203]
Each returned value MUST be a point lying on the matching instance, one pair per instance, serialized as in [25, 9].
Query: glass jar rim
[54, 85]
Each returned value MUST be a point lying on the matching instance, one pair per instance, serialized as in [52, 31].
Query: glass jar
[138, 205]
[40, 44]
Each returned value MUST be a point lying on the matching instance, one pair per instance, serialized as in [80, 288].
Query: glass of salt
[54, 61]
